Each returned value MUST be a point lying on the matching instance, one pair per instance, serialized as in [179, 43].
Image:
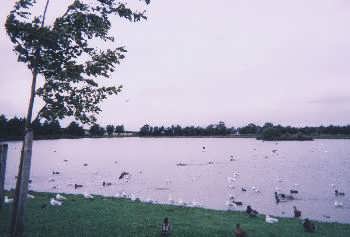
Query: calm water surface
[310, 167]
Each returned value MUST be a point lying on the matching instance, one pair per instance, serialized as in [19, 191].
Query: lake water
[209, 177]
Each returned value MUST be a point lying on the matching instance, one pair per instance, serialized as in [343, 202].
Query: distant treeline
[13, 129]
[266, 132]
[176, 130]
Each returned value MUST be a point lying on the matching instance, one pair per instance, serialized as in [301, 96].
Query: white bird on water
[54, 202]
[8, 200]
[231, 179]
[338, 204]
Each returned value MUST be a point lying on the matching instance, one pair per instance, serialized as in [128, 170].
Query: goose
[60, 197]
[78, 186]
[88, 196]
[124, 195]
[133, 197]
[194, 204]
[244, 190]
[297, 213]
[180, 202]
[54, 202]
[30, 196]
[338, 204]
[270, 220]
[283, 196]
[337, 193]
[85, 164]
[124, 175]
[8, 200]
[232, 200]
[149, 200]
[55, 172]
[106, 183]
[117, 195]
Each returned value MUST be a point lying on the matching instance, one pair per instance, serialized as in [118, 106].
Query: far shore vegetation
[107, 216]
[13, 129]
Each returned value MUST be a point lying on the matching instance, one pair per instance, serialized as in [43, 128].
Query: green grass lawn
[120, 217]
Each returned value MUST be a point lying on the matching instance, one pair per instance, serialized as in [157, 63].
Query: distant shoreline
[228, 136]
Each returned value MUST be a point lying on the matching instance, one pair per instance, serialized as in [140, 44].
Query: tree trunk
[3, 157]
[17, 223]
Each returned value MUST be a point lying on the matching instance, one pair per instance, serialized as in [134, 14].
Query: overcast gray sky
[197, 62]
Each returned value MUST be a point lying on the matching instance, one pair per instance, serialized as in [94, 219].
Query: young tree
[119, 129]
[62, 56]
[74, 130]
[110, 130]
[96, 130]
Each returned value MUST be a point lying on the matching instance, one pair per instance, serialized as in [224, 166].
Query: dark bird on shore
[297, 213]
[78, 186]
[337, 193]
[123, 174]
[244, 190]
[238, 203]
[293, 191]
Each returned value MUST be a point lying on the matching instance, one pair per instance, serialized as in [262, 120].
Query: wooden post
[17, 223]
[3, 157]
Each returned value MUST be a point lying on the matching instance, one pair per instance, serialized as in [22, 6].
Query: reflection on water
[180, 170]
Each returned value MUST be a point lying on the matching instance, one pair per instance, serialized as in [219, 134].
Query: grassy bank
[120, 217]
